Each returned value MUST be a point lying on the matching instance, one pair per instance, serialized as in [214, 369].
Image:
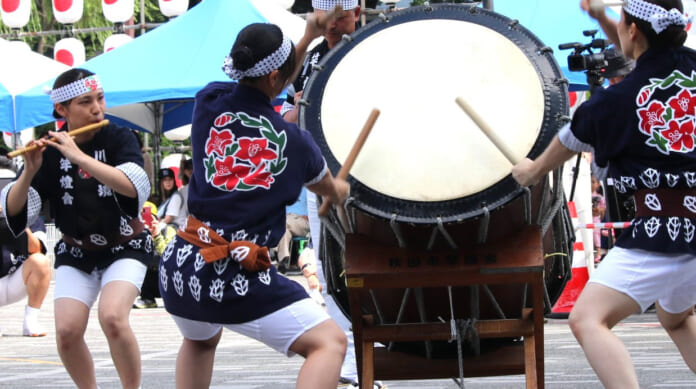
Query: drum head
[425, 158]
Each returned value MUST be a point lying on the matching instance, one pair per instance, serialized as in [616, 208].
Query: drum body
[427, 177]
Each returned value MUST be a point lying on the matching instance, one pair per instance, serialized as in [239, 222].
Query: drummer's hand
[319, 22]
[594, 12]
[341, 191]
[524, 172]
[66, 145]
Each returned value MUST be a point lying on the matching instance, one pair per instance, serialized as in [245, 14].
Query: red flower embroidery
[259, 178]
[680, 135]
[651, 116]
[229, 174]
[255, 150]
[218, 141]
[683, 104]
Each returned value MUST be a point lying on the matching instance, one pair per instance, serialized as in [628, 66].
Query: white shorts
[12, 287]
[277, 330]
[78, 285]
[648, 276]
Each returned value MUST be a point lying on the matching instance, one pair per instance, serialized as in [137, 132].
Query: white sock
[31, 313]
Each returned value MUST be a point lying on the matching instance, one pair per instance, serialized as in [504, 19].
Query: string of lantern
[69, 50]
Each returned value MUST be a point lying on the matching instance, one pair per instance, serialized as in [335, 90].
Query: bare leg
[681, 327]
[71, 322]
[114, 307]
[36, 272]
[597, 310]
[324, 348]
[194, 365]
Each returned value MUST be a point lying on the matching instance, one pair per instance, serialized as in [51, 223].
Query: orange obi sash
[213, 247]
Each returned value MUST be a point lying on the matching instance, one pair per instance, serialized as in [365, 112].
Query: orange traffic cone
[579, 275]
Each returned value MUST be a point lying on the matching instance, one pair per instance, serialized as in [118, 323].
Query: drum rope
[350, 216]
[557, 203]
[483, 227]
[496, 306]
[397, 231]
[443, 231]
[527, 205]
[456, 334]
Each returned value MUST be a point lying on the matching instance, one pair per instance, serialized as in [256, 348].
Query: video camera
[590, 58]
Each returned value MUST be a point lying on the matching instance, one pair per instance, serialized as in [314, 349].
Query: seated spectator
[296, 225]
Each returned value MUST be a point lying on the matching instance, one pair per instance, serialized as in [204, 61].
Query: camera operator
[641, 130]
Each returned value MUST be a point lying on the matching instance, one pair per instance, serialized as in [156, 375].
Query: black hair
[66, 78]
[256, 42]
[672, 37]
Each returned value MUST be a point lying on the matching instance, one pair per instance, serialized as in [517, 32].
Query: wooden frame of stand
[367, 267]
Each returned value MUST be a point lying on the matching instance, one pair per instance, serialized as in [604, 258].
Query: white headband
[264, 66]
[328, 5]
[657, 16]
[75, 88]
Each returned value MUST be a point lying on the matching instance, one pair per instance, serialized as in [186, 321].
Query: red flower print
[651, 116]
[683, 104]
[259, 177]
[680, 135]
[229, 174]
[255, 150]
[218, 141]
[223, 119]
[91, 84]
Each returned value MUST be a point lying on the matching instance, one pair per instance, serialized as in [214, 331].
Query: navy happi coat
[642, 131]
[248, 165]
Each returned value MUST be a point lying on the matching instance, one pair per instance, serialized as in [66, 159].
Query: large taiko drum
[428, 178]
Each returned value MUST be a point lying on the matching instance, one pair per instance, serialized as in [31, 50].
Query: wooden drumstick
[73, 133]
[350, 160]
[599, 4]
[487, 130]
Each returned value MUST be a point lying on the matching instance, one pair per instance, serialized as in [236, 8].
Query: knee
[338, 342]
[112, 324]
[67, 336]
[39, 264]
[580, 324]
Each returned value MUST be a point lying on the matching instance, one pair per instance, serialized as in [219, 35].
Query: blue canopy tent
[20, 70]
[555, 23]
[168, 65]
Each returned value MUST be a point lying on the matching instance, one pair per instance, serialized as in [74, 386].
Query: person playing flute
[96, 186]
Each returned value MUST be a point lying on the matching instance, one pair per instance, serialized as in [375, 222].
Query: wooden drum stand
[518, 260]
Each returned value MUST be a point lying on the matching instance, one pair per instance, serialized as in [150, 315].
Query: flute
[73, 133]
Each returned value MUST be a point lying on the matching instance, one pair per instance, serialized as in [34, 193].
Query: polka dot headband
[75, 88]
[272, 62]
[328, 5]
[658, 17]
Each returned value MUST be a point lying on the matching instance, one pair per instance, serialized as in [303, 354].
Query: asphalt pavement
[242, 363]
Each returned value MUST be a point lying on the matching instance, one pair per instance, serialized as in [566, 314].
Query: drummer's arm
[607, 24]
[336, 189]
[528, 172]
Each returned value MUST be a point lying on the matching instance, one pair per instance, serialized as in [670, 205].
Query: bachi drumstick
[350, 160]
[487, 130]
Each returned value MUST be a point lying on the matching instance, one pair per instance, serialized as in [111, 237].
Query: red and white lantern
[15, 13]
[67, 11]
[69, 51]
[115, 41]
[118, 11]
[171, 8]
